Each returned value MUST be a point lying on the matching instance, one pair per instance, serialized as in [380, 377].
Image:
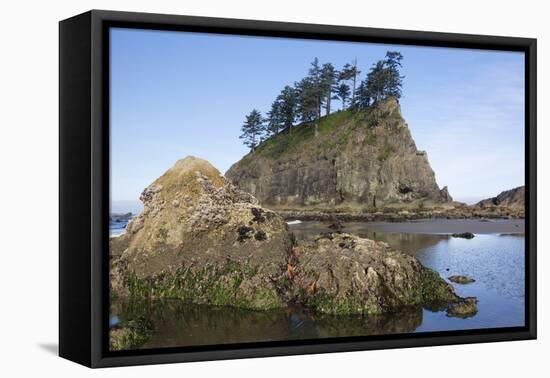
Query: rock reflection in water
[181, 324]
[405, 242]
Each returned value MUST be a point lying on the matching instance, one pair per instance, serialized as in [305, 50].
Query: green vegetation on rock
[227, 285]
[130, 334]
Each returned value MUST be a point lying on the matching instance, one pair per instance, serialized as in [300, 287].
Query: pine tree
[384, 79]
[355, 73]
[376, 82]
[350, 73]
[288, 102]
[252, 129]
[329, 81]
[307, 103]
[363, 98]
[343, 93]
[316, 90]
[394, 83]
[274, 120]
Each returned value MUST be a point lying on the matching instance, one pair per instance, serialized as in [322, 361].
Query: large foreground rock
[201, 240]
[360, 160]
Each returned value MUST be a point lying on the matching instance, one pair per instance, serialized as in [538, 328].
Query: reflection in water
[495, 261]
[180, 324]
[398, 240]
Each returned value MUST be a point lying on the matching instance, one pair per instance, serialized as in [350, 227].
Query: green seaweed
[209, 285]
[131, 334]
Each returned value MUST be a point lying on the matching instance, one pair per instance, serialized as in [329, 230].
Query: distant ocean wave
[118, 222]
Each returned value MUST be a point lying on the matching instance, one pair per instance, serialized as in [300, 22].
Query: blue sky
[175, 94]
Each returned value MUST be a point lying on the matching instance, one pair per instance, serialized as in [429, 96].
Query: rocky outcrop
[463, 280]
[340, 274]
[362, 160]
[202, 240]
[466, 308]
[512, 199]
[463, 235]
[120, 217]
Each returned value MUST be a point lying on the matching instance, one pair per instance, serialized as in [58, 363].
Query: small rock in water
[337, 226]
[461, 279]
[463, 235]
[465, 308]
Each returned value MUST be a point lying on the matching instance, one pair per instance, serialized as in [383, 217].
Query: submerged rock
[463, 235]
[461, 279]
[336, 226]
[465, 308]
[342, 274]
[201, 240]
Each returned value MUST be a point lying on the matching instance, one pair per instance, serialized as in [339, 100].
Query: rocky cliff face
[513, 198]
[361, 160]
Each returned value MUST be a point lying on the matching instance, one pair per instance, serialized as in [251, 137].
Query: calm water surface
[495, 261]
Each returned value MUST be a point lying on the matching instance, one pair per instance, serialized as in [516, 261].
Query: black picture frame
[84, 186]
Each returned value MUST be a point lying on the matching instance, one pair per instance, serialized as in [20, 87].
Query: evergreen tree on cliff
[350, 73]
[383, 80]
[306, 107]
[329, 81]
[363, 97]
[343, 93]
[274, 119]
[394, 84]
[252, 129]
[288, 102]
[316, 90]
[283, 112]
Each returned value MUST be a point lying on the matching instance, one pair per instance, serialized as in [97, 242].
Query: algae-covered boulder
[202, 240]
[342, 274]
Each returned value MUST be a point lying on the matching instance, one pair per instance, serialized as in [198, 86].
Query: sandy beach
[449, 226]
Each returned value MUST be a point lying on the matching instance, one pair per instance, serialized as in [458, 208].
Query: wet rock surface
[340, 273]
[463, 280]
[465, 308]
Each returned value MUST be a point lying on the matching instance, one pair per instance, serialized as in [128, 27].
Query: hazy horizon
[175, 94]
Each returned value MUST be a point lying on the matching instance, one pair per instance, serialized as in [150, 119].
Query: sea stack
[513, 199]
[365, 159]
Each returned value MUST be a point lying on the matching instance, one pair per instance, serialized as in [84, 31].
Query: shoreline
[403, 215]
[448, 226]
